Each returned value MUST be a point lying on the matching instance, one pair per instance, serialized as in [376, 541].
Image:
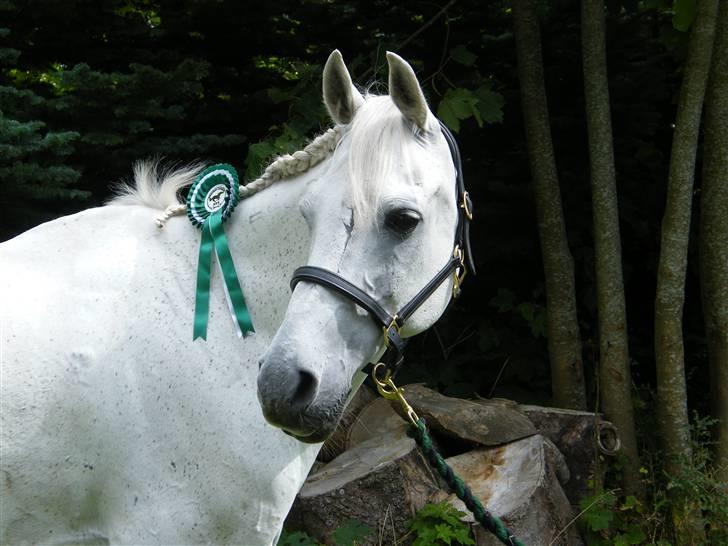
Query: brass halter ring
[394, 324]
[465, 205]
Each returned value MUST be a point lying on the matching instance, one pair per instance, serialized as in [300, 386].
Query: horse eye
[402, 221]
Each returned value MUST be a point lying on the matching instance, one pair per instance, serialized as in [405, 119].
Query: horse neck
[269, 238]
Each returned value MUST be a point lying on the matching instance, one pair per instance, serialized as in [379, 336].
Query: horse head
[383, 216]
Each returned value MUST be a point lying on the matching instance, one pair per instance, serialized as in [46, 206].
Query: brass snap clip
[388, 390]
[459, 273]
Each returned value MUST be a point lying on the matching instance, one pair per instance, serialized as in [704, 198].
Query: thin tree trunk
[714, 234]
[564, 340]
[615, 380]
[669, 351]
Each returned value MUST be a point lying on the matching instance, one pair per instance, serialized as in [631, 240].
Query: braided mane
[289, 165]
[156, 187]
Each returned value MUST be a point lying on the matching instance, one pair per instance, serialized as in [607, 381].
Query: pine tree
[31, 155]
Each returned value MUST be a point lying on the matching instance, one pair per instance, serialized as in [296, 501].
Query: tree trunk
[669, 351]
[564, 340]
[615, 380]
[714, 234]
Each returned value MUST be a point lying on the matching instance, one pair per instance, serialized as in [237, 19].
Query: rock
[376, 418]
[381, 482]
[481, 422]
[518, 483]
[574, 434]
[384, 480]
[510, 455]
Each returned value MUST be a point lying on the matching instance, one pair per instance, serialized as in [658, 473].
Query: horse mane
[158, 187]
[377, 135]
[155, 185]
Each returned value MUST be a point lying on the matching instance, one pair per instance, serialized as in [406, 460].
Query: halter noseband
[459, 263]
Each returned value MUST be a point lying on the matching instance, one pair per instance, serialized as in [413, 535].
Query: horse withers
[118, 428]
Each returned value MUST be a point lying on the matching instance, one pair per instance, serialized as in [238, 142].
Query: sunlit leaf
[458, 104]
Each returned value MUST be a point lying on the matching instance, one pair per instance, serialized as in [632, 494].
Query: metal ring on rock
[607, 433]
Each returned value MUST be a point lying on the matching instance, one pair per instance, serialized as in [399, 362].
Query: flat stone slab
[480, 422]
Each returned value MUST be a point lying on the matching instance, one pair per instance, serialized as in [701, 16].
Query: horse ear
[405, 91]
[340, 96]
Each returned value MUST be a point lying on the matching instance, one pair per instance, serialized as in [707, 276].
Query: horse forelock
[381, 141]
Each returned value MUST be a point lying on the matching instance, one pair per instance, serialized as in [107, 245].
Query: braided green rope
[418, 431]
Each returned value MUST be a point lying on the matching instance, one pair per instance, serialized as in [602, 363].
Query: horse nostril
[306, 389]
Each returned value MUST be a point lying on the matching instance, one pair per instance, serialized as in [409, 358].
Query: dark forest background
[89, 86]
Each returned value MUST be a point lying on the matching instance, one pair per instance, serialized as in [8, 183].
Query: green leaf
[490, 104]
[258, 153]
[447, 115]
[443, 533]
[683, 14]
[456, 105]
[296, 539]
[503, 300]
[634, 535]
[350, 532]
[278, 95]
[598, 519]
[599, 513]
[630, 502]
[438, 524]
[463, 55]
[527, 311]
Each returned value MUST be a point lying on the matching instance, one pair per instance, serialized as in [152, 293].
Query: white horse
[117, 428]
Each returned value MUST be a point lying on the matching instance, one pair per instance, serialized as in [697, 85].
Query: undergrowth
[436, 524]
[609, 518]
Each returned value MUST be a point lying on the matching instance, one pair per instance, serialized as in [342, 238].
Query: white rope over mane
[159, 189]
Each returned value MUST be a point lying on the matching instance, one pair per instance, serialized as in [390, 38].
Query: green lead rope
[418, 431]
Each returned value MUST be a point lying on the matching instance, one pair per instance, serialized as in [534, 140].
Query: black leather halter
[460, 262]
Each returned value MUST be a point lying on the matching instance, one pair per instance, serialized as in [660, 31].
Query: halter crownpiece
[459, 263]
[210, 201]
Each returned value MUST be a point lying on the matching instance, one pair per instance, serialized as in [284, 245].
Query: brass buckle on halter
[459, 273]
[465, 205]
[388, 390]
[394, 324]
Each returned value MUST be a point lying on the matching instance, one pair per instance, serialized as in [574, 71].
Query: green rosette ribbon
[210, 202]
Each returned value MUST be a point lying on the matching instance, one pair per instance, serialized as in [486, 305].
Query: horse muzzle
[291, 400]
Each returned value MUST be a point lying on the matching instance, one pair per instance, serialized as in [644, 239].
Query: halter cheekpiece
[458, 265]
